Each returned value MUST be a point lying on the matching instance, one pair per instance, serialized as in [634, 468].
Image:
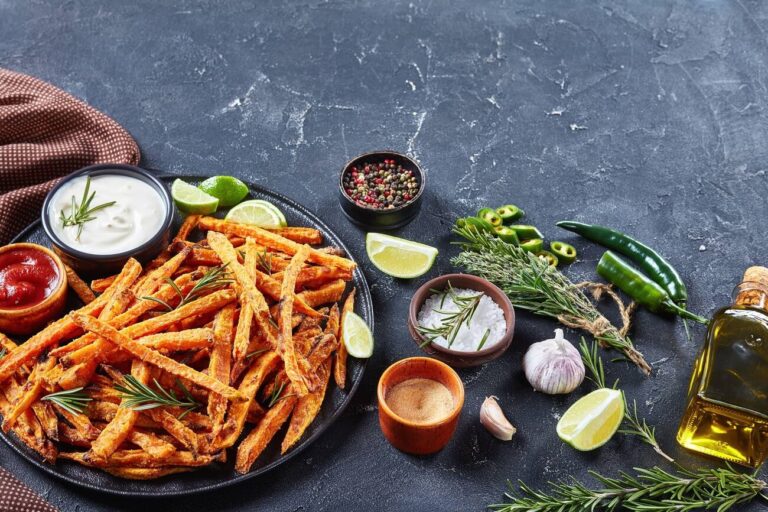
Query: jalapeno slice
[547, 256]
[490, 216]
[478, 223]
[525, 232]
[566, 253]
[534, 245]
[506, 235]
[509, 212]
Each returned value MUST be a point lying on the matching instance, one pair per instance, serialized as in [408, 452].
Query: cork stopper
[753, 291]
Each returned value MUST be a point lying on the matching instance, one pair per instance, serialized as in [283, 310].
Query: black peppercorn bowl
[370, 217]
[103, 264]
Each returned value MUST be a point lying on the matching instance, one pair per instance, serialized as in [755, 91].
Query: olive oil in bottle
[727, 411]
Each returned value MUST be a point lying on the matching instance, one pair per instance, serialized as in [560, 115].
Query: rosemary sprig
[532, 284]
[82, 212]
[646, 490]
[265, 261]
[213, 279]
[275, 397]
[451, 322]
[140, 397]
[71, 400]
[2, 353]
[255, 353]
[633, 424]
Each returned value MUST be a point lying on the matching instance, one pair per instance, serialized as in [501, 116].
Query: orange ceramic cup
[23, 321]
[419, 438]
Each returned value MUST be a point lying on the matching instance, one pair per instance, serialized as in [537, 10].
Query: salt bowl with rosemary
[461, 319]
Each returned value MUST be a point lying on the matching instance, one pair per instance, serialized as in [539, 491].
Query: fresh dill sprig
[72, 400]
[646, 490]
[213, 279]
[633, 424]
[530, 283]
[82, 212]
[452, 321]
[140, 397]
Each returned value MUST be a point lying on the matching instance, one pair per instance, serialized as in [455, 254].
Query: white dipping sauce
[136, 216]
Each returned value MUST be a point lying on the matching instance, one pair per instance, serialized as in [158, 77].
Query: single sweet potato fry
[258, 438]
[79, 286]
[340, 362]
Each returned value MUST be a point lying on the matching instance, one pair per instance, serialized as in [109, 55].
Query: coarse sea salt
[488, 316]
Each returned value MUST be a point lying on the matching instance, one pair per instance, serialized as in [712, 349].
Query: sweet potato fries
[215, 344]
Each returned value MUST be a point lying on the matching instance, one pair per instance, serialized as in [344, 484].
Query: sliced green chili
[478, 223]
[507, 235]
[490, 216]
[534, 245]
[525, 232]
[547, 256]
[509, 212]
[566, 253]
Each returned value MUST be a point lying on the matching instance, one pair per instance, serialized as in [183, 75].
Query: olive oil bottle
[727, 411]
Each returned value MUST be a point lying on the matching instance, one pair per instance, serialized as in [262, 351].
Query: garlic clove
[494, 421]
[554, 366]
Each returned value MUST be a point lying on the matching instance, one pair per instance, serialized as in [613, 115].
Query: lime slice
[356, 336]
[592, 420]
[191, 199]
[274, 208]
[255, 213]
[227, 189]
[398, 257]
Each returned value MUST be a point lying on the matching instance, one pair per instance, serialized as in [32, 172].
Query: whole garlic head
[553, 366]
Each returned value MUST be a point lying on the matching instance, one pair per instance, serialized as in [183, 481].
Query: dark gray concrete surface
[647, 116]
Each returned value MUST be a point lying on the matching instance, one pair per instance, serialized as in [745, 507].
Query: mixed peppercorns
[383, 185]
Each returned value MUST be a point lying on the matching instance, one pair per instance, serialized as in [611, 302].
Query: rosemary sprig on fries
[141, 397]
[73, 400]
[214, 279]
[82, 212]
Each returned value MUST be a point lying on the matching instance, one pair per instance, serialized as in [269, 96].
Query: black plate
[220, 475]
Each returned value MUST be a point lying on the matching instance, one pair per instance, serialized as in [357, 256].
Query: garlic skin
[553, 366]
[494, 421]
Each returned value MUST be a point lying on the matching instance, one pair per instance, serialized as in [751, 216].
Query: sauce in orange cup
[420, 400]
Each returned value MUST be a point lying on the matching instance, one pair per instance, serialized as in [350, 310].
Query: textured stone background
[647, 116]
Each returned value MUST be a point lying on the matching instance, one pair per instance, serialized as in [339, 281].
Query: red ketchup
[27, 278]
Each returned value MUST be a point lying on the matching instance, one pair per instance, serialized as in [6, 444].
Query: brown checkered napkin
[17, 497]
[45, 134]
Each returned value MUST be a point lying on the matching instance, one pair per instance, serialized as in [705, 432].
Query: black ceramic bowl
[102, 264]
[382, 219]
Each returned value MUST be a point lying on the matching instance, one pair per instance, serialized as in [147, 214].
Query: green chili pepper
[548, 257]
[651, 262]
[478, 223]
[566, 253]
[490, 216]
[509, 212]
[534, 245]
[640, 288]
[526, 232]
[506, 235]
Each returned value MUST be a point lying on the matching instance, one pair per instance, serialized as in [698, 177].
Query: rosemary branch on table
[530, 283]
[140, 397]
[451, 322]
[213, 279]
[633, 424]
[82, 212]
[73, 400]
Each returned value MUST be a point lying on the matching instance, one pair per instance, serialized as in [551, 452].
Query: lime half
[356, 336]
[257, 213]
[191, 199]
[592, 420]
[398, 257]
[227, 189]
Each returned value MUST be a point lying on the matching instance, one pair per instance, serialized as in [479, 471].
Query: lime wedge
[227, 189]
[356, 336]
[191, 199]
[256, 213]
[274, 208]
[592, 420]
[398, 257]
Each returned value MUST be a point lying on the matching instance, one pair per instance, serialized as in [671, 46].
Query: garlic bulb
[553, 366]
[494, 421]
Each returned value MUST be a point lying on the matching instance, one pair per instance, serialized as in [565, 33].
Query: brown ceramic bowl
[456, 358]
[23, 321]
[419, 438]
